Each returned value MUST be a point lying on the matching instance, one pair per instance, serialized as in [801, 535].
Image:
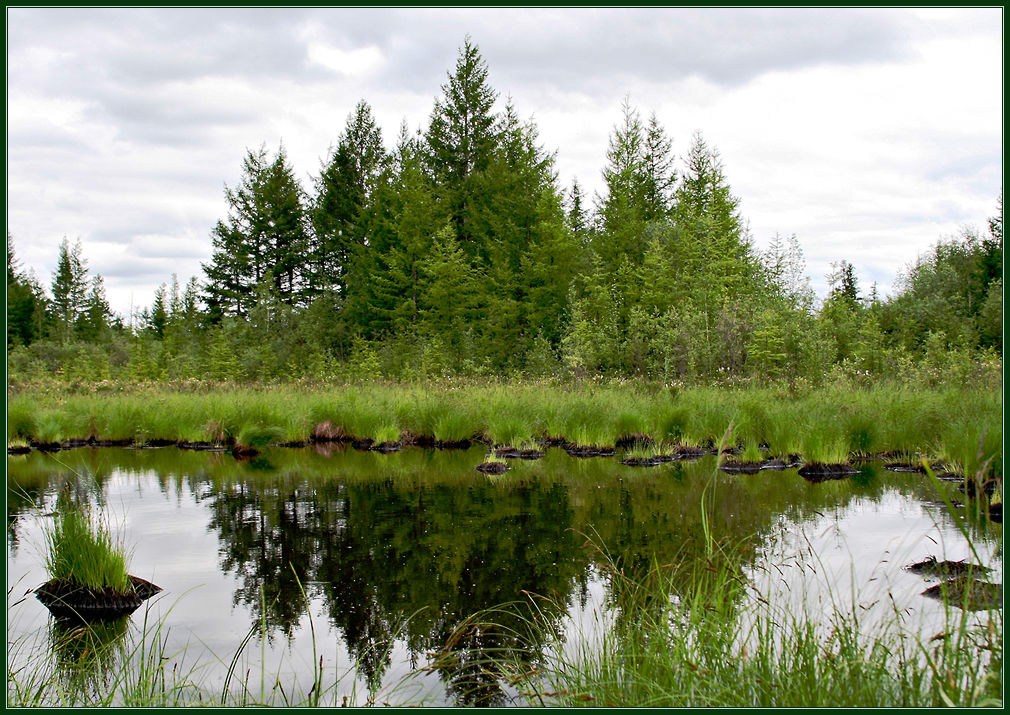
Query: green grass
[81, 550]
[685, 636]
[827, 424]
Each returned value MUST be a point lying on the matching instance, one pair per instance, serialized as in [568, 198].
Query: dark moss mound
[385, 447]
[779, 464]
[513, 453]
[493, 467]
[740, 467]
[240, 451]
[968, 593]
[418, 440]
[817, 472]
[65, 599]
[578, 450]
[996, 512]
[453, 444]
[46, 446]
[25, 449]
[932, 567]
[553, 442]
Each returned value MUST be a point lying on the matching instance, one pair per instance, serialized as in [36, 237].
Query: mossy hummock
[67, 599]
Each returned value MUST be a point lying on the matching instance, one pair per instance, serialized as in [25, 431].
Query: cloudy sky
[869, 133]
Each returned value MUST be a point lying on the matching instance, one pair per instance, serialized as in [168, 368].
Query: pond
[364, 564]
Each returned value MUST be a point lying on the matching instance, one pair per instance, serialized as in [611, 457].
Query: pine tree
[460, 142]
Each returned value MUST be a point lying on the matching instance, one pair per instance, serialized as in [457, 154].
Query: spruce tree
[460, 142]
[264, 238]
[69, 289]
[25, 303]
[343, 192]
[620, 209]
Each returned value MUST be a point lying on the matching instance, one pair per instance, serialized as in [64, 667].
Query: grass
[122, 664]
[688, 634]
[828, 424]
[81, 550]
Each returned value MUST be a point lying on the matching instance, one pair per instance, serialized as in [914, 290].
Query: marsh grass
[828, 424]
[81, 550]
[685, 637]
[127, 664]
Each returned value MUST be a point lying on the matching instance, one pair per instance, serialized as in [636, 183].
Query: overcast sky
[869, 133]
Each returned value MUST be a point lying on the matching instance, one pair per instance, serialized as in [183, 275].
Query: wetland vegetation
[665, 417]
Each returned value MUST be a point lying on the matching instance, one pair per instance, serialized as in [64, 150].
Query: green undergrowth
[830, 424]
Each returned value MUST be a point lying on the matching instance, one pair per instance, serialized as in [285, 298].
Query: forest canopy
[455, 251]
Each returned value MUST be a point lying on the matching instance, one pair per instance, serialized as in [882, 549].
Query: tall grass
[685, 636]
[827, 424]
[81, 550]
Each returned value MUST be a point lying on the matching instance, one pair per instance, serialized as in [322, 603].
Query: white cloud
[869, 133]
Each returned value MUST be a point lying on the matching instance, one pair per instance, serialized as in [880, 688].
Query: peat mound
[326, 432]
[513, 453]
[493, 467]
[385, 447]
[996, 512]
[66, 599]
[931, 567]
[741, 467]
[418, 440]
[968, 593]
[553, 442]
[817, 472]
[577, 450]
[453, 444]
[23, 449]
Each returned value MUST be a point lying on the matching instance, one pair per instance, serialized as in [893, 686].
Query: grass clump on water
[81, 550]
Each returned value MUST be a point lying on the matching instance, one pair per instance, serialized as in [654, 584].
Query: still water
[364, 564]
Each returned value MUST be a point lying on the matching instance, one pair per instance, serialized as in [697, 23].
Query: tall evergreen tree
[69, 289]
[659, 175]
[263, 239]
[96, 319]
[460, 142]
[620, 211]
[25, 302]
[343, 191]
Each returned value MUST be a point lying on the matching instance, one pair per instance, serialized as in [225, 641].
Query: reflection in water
[404, 548]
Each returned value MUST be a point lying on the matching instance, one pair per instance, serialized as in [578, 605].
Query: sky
[868, 133]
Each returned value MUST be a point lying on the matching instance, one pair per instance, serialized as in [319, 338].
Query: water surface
[383, 556]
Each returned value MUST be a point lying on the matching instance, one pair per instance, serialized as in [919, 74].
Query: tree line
[458, 252]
